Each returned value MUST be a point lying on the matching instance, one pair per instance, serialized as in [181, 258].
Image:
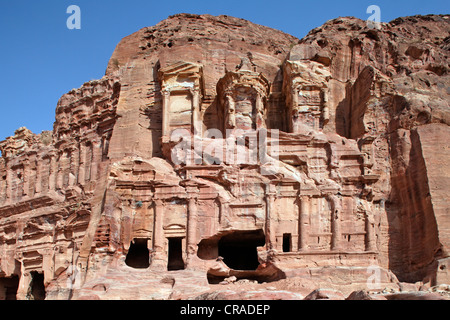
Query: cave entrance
[37, 287]
[239, 249]
[9, 287]
[175, 254]
[138, 256]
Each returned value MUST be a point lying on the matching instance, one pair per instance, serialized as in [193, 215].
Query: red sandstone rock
[349, 189]
[250, 295]
[325, 294]
[414, 296]
[364, 295]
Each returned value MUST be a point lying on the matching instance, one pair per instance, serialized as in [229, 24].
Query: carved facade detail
[181, 90]
[306, 91]
[243, 97]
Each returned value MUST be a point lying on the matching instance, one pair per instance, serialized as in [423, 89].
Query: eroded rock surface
[214, 148]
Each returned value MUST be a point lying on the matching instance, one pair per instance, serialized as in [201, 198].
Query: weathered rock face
[217, 148]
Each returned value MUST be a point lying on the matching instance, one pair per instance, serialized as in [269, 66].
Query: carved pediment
[243, 78]
[181, 75]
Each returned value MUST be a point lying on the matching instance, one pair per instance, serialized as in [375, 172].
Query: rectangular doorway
[37, 287]
[287, 242]
[175, 254]
[9, 287]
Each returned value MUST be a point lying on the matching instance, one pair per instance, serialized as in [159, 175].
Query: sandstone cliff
[350, 182]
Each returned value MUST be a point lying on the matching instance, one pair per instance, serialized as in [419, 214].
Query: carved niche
[243, 95]
[305, 86]
[181, 90]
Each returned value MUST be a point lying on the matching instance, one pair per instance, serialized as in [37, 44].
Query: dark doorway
[238, 249]
[37, 287]
[138, 254]
[287, 242]
[175, 254]
[9, 287]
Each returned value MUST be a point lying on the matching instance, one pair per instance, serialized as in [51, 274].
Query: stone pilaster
[8, 181]
[82, 164]
[165, 112]
[60, 171]
[196, 115]
[96, 159]
[259, 117]
[191, 246]
[304, 223]
[370, 241]
[336, 208]
[39, 168]
[230, 112]
[53, 173]
[26, 178]
[159, 259]
[74, 166]
[270, 225]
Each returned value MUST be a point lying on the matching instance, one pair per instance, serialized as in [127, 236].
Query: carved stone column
[191, 246]
[230, 112]
[165, 112]
[304, 223]
[48, 264]
[39, 169]
[8, 181]
[53, 173]
[96, 159]
[74, 166]
[370, 232]
[60, 171]
[270, 225]
[336, 208]
[158, 235]
[127, 225]
[2, 191]
[26, 178]
[82, 164]
[196, 120]
[293, 112]
[259, 117]
[24, 284]
[325, 108]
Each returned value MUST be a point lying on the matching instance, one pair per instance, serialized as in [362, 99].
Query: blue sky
[41, 59]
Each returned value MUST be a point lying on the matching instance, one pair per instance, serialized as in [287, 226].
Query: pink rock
[342, 179]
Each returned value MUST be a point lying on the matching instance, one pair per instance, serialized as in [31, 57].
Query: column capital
[192, 197]
[303, 197]
[195, 90]
[271, 196]
[158, 201]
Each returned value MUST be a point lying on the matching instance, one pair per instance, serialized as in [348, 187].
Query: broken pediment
[243, 97]
[306, 89]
